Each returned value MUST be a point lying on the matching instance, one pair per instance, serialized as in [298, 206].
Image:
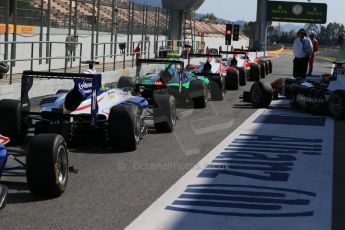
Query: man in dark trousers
[302, 49]
[315, 49]
[136, 52]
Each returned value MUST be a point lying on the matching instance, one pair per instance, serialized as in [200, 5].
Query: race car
[212, 70]
[46, 165]
[265, 62]
[114, 115]
[173, 80]
[213, 65]
[252, 69]
[316, 94]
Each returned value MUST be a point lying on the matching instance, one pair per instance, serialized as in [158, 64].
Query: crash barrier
[112, 50]
[33, 55]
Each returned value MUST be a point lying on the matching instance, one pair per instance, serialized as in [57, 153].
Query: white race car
[87, 110]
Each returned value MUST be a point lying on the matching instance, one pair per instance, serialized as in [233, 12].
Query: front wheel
[261, 94]
[255, 72]
[198, 94]
[124, 127]
[336, 105]
[232, 79]
[217, 88]
[242, 76]
[47, 165]
[164, 113]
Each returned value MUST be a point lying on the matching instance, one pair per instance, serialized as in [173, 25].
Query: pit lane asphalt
[112, 189]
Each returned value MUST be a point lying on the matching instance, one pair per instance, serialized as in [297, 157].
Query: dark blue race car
[44, 163]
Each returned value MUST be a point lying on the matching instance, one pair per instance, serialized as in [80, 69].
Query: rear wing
[206, 74]
[161, 61]
[27, 82]
[233, 52]
[205, 55]
[244, 50]
[202, 55]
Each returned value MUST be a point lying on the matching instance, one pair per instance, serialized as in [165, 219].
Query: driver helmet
[93, 71]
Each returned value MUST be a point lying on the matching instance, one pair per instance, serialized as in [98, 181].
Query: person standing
[302, 49]
[137, 53]
[315, 49]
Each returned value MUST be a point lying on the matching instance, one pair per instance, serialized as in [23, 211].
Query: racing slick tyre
[164, 112]
[262, 71]
[125, 82]
[266, 67]
[270, 66]
[255, 72]
[242, 76]
[47, 165]
[336, 105]
[10, 119]
[62, 91]
[232, 80]
[124, 127]
[261, 94]
[217, 88]
[198, 94]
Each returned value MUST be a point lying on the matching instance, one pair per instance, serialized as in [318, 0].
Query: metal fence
[68, 58]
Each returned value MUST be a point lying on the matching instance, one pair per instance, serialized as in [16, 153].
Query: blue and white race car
[45, 165]
[89, 109]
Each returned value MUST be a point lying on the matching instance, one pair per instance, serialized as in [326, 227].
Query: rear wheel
[125, 82]
[261, 94]
[270, 66]
[336, 105]
[232, 79]
[217, 88]
[47, 165]
[242, 76]
[10, 120]
[255, 72]
[262, 71]
[124, 127]
[266, 67]
[198, 94]
[164, 113]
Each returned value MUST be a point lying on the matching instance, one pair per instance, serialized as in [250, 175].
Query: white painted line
[262, 176]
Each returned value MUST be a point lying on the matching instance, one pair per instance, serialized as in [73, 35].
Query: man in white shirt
[302, 49]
